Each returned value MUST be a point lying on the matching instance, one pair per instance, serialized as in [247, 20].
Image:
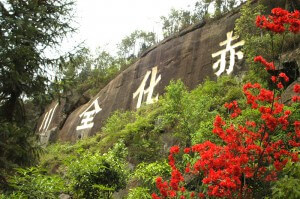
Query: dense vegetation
[125, 158]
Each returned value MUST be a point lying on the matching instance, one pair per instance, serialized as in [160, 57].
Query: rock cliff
[203, 50]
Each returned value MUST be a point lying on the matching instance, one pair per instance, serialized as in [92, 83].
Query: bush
[147, 173]
[288, 185]
[34, 182]
[139, 192]
[95, 175]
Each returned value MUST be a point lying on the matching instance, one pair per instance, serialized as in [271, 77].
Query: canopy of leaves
[27, 30]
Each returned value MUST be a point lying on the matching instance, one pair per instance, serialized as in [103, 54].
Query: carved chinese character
[141, 91]
[88, 116]
[47, 119]
[221, 63]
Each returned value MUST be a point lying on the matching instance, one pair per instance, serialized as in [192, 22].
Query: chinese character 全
[88, 116]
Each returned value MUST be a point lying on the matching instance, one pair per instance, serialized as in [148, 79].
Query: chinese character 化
[141, 91]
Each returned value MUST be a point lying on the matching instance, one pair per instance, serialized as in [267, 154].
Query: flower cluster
[234, 107]
[269, 66]
[248, 149]
[278, 19]
[251, 152]
[172, 188]
[296, 89]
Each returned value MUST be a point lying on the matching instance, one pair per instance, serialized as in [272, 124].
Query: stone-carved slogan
[141, 91]
[88, 116]
[47, 119]
[221, 63]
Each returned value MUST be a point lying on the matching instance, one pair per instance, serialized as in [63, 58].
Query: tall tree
[27, 29]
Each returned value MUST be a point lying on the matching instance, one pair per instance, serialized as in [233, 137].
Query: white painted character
[141, 91]
[88, 116]
[221, 63]
[47, 119]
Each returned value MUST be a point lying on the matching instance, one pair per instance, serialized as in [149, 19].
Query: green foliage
[256, 43]
[135, 44]
[92, 72]
[147, 173]
[139, 192]
[288, 185]
[89, 72]
[173, 105]
[185, 117]
[141, 135]
[95, 175]
[178, 20]
[189, 115]
[17, 148]
[17, 145]
[28, 28]
[117, 121]
[34, 182]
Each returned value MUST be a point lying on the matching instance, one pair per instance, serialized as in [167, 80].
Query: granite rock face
[56, 114]
[50, 121]
[291, 66]
[190, 56]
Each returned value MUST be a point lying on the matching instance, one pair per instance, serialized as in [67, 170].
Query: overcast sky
[105, 22]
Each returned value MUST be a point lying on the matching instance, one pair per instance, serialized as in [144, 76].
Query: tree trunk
[10, 106]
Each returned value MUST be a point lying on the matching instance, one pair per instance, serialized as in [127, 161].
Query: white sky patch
[103, 23]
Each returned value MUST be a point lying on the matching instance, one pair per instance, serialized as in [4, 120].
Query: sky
[103, 23]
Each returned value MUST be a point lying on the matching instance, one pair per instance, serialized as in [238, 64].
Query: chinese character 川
[221, 63]
[47, 119]
[88, 116]
[141, 91]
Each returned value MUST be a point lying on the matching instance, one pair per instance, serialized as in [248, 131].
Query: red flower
[174, 149]
[172, 194]
[201, 195]
[283, 75]
[274, 79]
[278, 19]
[187, 150]
[295, 157]
[297, 88]
[268, 65]
[154, 196]
[279, 85]
[295, 98]
[192, 194]
[182, 189]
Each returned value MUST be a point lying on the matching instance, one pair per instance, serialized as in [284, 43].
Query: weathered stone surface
[287, 95]
[187, 56]
[64, 196]
[56, 114]
[291, 66]
[49, 122]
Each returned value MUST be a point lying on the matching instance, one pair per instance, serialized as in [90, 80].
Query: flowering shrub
[252, 152]
[278, 19]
